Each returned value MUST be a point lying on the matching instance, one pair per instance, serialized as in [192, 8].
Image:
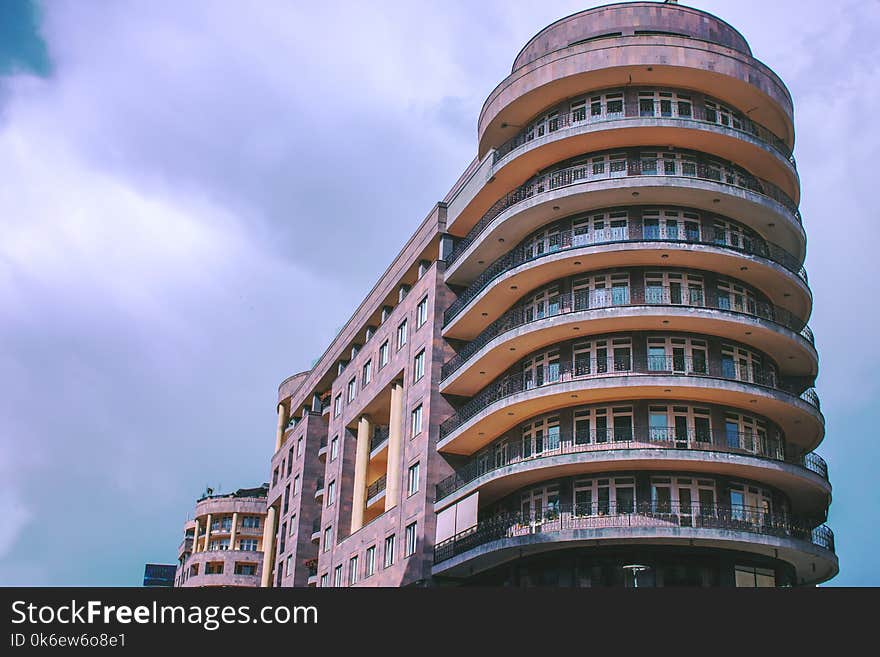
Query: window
[541, 369]
[679, 355]
[337, 576]
[299, 451]
[366, 373]
[417, 420]
[328, 536]
[275, 477]
[296, 485]
[247, 545]
[215, 568]
[219, 544]
[389, 551]
[353, 570]
[673, 288]
[410, 542]
[401, 334]
[287, 566]
[671, 225]
[337, 405]
[540, 436]
[292, 524]
[383, 355]
[290, 460]
[370, 558]
[749, 577]
[252, 522]
[601, 291]
[245, 569]
[419, 366]
[422, 312]
[334, 448]
[682, 426]
[331, 493]
[603, 424]
[604, 496]
[351, 389]
[324, 580]
[412, 479]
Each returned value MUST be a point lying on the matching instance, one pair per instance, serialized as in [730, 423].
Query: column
[268, 547]
[234, 530]
[282, 423]
[207, 532]
[362, 461]
[395, 447]
[196, 538]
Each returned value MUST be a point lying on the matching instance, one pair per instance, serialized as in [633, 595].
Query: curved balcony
[563, 120]
[702, 182]
[502, 537]
[657, 60]
[770, 328]
[803, 478]
[560, 134]
[570, 244]
[510, 399]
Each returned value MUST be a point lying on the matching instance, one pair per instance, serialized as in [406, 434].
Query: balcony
[685, 113]
[665, 447]
[322, 449]
[316, 530]
[378, 440]
[498, 538]
[652, 302]
[682, 178]
[319, 488]
[641, 238]
[376, 491]
[519, 395]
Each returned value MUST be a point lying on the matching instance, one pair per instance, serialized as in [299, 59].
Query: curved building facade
[591, 365]
[633, 368]
[223, 542]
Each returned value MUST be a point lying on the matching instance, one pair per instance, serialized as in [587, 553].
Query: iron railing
[623, 297]
[696, 167]
[380, 435]
[563, 372]
[567, 240]
[640, 110]
[514, 451]
[376, 487]
[657, 514]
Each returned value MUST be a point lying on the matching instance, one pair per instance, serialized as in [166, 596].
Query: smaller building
[223, 543]
[159, 574]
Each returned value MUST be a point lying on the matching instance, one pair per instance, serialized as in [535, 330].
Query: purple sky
[196, 197]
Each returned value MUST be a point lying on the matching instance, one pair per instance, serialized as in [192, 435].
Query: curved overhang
[813, 564]
[801, 422]
[732, 77]
[795, 355]
[756, 156]
[764, 215]
[808, 492]
[782, 287]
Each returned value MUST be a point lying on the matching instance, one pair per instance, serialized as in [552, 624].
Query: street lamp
[635, 569]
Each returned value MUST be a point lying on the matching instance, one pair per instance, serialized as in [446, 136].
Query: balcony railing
[657, 514]
[697, 167]
[376, 487]
[640, 110]
[568, 240]
[558, 373]
[513, 451]
[380, 435]
[623, 297]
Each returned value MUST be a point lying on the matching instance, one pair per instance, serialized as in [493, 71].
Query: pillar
[361, 463]
[268, 547]
[395, 447]
[196, 538]
[282, 423]
[234, 530]
[207, 532]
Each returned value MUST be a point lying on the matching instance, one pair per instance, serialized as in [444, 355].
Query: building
[156, 574]
[590, 365]
[223, 543]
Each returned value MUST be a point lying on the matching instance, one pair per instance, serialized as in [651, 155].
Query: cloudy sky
[195, 196]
